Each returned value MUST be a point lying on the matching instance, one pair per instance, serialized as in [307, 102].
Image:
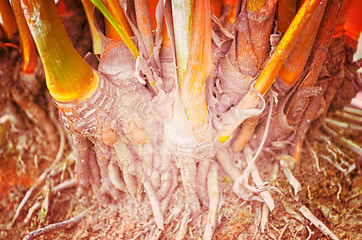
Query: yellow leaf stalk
[7, 18]
[96, 39]
[293, 66]
[199, 68]
[286, 45]
[144, 24]
[183, 16]
[28, 50]
[68, 76]
[275, 63]
[255, 5]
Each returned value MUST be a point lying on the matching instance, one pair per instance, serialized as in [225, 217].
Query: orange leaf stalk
[322, 43]
[353, 25]
[294, 32]
[116, 11]
[230, 4]
[183, 17]
[68, 76]
[29, 53]
[7, 18]
[286, 12]
[96, 39]
[293, 66]
[342, 15]
[152, 4]
[216, 7]
[275, 63]
[199, 68]
[144, 24]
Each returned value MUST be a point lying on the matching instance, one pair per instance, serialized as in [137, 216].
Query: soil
[335, 199]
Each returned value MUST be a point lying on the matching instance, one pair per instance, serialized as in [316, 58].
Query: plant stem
[267, 77]
[199, 68]
[286, 12]
[96, 39]
[293, 66]
[183, 16]
[28, 50]
[68, 76]
[7, 18]
[144, 24]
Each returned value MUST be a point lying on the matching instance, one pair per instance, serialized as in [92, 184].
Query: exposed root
[257, 179]
[173, 186]
[167, 174]
[224, 159]
[56, 226]
[96, 180]
[252, 168]
[313, 154]
[188, 175]
[264, 219]
[343, 125]
[156, 208]
[104, 156]
[65, 185]
[31, 211]
[343, 141]
[115, 176]
[287, 163]
[182, 230]
[201, 178]
[348, 116]
[245, 133]
[317, 223]
[213, 191]
[80, 147]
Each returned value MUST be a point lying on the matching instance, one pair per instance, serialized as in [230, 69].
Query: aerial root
[80, 146]
[245, 133]
[224, 159]
[104, 157]
[213, 192]
[188, 175]
[317, 223]
[131, 183]
[56, 226]
[201, 178]
[165, 177]
[174, 182]
[115, 176]
[156, 208]
[95, 180]
[165, 185]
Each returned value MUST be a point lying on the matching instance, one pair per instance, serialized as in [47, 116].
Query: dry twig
[56, 226]
[317, 223]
